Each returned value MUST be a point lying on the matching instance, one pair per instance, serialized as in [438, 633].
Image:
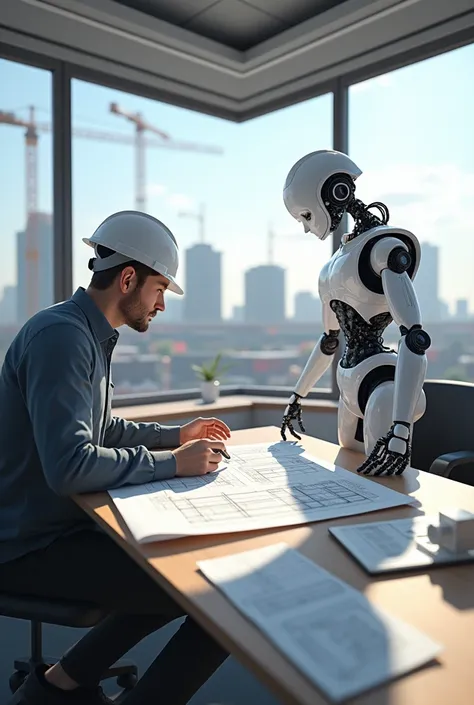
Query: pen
[222, 452]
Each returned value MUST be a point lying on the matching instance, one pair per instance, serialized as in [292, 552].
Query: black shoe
[35, 690]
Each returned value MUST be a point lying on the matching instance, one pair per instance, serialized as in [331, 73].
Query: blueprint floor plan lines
[261, 486]
[254, 504]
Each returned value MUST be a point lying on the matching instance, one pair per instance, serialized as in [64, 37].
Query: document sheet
[402, 544]
[263, 485]
[329, 630]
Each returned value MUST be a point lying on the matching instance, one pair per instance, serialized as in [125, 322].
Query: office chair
[60, 613]
[443, 439]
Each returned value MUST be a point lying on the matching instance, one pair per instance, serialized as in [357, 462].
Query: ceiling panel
[295, 11]
[236, 24]
[174, 11]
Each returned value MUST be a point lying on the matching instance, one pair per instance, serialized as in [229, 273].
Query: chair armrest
[445, 464]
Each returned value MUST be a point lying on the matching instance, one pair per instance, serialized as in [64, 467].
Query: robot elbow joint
[416, 339]
[329, 342]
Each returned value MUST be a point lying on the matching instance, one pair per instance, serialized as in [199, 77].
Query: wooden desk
[440, 601]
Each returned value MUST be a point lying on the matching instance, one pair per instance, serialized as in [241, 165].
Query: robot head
[318, 189]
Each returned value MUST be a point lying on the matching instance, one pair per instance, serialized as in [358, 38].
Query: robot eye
[340, 191]
[306, 215]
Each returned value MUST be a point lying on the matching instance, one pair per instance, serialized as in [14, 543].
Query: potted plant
[207, 373]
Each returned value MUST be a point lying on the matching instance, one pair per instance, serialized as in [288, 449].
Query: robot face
[317, 190]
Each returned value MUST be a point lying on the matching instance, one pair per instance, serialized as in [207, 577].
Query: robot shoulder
[387, 246]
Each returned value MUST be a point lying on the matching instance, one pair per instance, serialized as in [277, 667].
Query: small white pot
[210, 391]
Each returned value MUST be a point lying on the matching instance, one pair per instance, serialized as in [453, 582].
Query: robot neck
[363, 219]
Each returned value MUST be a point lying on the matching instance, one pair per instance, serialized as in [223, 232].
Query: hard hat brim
[173, 285]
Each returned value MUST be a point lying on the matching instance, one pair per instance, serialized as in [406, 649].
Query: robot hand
[391, 454]
[292, 412]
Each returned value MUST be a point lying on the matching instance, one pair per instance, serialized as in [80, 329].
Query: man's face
[141, 304]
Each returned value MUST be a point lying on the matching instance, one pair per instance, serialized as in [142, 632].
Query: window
[26, 185]
[411, 134]
[244, 260]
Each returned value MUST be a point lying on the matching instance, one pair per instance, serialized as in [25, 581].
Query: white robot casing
[366, 283]
[302, 189]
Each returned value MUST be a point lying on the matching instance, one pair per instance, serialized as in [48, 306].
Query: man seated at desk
[58, 439]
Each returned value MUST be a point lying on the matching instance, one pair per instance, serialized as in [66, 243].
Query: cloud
[383, 81]
[175, 200]
[156, 189]
[180, 200]
[438, 211]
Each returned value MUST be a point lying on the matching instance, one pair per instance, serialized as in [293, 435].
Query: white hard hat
[133, 235]
[302, 189]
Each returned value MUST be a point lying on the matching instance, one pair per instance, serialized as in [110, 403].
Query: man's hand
[197, 457]
[214, 429]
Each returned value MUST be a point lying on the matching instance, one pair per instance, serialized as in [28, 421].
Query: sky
[410, 133]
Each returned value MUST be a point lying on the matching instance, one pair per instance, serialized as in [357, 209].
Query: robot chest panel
[340, 280]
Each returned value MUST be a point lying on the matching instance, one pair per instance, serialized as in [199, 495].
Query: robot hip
[357, 383]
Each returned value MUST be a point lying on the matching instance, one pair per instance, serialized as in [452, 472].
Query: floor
[231, 684]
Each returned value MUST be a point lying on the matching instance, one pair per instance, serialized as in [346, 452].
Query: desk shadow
[456, 585]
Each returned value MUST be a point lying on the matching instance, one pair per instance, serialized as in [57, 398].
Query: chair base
[124, 671]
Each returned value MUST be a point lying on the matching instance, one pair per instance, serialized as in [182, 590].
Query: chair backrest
[447, 424]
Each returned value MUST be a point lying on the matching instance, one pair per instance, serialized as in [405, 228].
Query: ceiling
[241, 24]
[235, 59]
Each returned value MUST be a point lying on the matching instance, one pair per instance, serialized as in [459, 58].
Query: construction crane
[271, 235]
[32, 130]
[200, 216]
[141, 126]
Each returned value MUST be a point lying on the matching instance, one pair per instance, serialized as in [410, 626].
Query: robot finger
[292, 431]
[300, 422]
[282, 429]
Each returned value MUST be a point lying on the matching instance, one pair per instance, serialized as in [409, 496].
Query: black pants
[89, 566]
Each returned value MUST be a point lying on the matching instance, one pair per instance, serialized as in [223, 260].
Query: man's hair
[104, 279]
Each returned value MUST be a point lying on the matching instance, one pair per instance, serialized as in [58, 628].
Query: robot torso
[353, 290]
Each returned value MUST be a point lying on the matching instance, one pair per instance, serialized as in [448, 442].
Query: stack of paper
[329, 630]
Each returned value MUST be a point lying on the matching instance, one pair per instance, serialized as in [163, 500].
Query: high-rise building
[8, 306]
[173, 312]
[203, 291]
[462, 309]
[307, 307]
[35, 270]
[427, 283]
[265, 294]
[237, 314]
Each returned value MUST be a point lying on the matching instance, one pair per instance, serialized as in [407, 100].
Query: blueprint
[262, 486]
[400, 544]
[329, 630]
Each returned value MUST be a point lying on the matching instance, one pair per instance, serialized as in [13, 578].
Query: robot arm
[390, 259]
[317, 364]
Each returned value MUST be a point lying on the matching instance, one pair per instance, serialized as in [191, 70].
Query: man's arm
[54, 376]
[121, 433]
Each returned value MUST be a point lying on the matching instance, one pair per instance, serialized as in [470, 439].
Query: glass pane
[226, 210]
[411, 134]
[26, 188]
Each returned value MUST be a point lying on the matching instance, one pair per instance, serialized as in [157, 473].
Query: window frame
[62, 75]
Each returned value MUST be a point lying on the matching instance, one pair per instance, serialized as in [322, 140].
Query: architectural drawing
[261, 486]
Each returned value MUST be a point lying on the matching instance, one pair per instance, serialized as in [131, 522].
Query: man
[58, 438]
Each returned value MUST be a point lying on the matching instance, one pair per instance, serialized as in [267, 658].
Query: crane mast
[140, 142]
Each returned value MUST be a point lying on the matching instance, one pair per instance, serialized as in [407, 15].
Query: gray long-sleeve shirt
[57, 433]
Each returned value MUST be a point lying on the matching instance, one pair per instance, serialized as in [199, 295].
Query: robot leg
[379, 412]
[347, 424]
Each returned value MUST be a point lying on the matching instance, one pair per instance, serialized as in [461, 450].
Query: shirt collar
[94, 315]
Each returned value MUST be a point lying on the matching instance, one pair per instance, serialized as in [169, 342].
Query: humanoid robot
[365, 286]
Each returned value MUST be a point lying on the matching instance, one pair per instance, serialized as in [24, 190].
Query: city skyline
[423, 173]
